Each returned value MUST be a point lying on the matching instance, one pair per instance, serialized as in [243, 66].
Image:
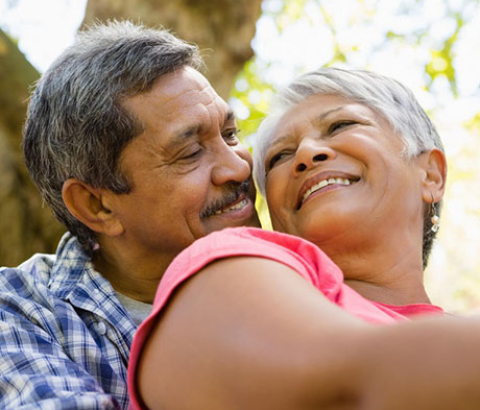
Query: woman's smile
[324, 182]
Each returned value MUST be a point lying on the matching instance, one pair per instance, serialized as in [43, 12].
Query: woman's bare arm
[250, 333]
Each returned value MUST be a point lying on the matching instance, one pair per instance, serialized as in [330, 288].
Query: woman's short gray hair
[76, 125]
[388, 97]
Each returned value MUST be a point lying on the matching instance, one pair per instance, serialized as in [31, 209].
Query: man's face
[188, 172]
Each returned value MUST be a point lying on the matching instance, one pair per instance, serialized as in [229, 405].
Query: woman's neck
[386, 276]
[398, 294]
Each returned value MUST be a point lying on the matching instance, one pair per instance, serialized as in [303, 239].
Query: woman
[349, 162]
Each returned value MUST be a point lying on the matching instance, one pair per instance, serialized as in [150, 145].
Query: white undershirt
[138, 311]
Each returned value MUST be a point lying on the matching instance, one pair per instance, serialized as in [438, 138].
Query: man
[138, 156]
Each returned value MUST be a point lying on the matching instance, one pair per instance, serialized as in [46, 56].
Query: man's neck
[132, 276]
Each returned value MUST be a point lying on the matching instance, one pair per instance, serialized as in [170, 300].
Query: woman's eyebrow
[279, 140]
[316, 121]
[320, 118]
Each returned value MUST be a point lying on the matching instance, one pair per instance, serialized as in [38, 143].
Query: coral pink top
[300, 255]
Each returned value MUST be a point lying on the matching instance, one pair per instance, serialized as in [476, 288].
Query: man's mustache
[233, 192]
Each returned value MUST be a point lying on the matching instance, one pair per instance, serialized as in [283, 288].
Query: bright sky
[44, 28]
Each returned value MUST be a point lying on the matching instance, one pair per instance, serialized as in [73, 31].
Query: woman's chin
[327, 230]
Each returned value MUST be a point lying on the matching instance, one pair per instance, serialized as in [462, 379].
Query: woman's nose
[309, 154]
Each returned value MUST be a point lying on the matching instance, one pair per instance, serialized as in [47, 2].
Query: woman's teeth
[323, 184]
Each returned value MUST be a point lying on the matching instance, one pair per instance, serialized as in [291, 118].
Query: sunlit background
[432, 46]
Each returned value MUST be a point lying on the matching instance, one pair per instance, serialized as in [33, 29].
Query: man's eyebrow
[229, 116]
[191, 131]
[183, 135]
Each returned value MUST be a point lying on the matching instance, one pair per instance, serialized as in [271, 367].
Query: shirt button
[102, 329]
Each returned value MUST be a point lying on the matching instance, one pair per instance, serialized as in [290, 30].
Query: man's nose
[310, 154]
[231, 164]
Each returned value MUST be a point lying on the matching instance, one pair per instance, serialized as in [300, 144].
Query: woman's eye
[339, 125]
[276, 159]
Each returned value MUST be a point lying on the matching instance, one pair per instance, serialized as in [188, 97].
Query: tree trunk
[222, 28]
[25, 226]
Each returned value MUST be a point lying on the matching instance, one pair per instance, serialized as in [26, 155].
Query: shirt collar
[74, 278]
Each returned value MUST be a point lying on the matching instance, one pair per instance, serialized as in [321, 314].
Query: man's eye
[191, 155]
[231, 136]
[339, 125]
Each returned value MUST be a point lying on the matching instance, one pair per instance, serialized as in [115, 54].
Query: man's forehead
[185, 79]
[179, 105]
[174, 93]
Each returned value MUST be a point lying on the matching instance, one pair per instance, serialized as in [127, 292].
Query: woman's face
[335, 175]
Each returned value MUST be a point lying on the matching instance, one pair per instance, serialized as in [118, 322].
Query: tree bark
[25, 226]
[223, 29]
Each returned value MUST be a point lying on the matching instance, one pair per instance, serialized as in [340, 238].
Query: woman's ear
[434, 165]
[91, 206]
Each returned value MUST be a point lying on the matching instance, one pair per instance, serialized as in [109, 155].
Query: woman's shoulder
[250, 238]
[245, 241]
[298, 254]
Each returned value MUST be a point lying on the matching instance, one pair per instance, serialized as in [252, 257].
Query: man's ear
[91, 206]
[434, 165]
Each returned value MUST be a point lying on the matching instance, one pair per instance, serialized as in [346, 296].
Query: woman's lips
[323, 181]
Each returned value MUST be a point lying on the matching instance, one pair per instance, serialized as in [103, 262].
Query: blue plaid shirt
[64, 336]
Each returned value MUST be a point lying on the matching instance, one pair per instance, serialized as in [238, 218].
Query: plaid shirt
[64, 336]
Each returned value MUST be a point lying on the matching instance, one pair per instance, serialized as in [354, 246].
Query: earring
[435, 218]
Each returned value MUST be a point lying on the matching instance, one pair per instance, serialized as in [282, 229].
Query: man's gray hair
[76, 124]
[386, 96]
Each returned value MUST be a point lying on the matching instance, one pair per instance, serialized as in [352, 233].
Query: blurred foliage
[421, 43]
[251, 96]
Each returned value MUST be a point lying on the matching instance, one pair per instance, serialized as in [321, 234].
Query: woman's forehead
[316, 109]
